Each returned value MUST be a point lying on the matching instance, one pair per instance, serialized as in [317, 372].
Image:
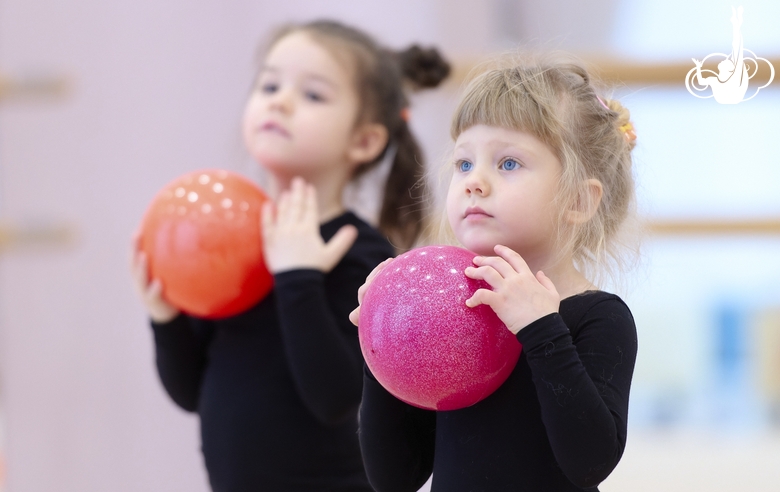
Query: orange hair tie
[628, 132]
[406, 114]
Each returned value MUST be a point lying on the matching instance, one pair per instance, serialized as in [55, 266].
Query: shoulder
[597, 309]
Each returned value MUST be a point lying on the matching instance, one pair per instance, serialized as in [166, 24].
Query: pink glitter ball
[421, 341]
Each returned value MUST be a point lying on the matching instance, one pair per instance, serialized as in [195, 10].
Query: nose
[281, 100]
[477, 183]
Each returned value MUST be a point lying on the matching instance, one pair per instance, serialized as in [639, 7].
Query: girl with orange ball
[277, 387]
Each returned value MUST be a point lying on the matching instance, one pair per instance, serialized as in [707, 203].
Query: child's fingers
[496, 262]
[266, 221]
[142, 269]
[376, 271]
[283, 207]
[338, 245]
[514, 259]
[546, 282]
[297, 199]
[139, 272]
[310, 205]
[481, 296]
[363, 288]
[354, 316]
[362, 292]
[159, 309]
[154, 292]
[486, 273]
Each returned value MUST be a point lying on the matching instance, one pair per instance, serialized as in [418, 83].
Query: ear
[587, 204]
[368, 140]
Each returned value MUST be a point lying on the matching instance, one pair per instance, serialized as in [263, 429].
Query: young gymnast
[541, 183]
[277, 387]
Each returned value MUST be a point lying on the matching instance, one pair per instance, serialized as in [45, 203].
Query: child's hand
[150, 292]
[292, 240]
[518, 297]
[354, 316]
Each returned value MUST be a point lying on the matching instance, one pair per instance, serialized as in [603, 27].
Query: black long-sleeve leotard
[557, 424]
[277, 387]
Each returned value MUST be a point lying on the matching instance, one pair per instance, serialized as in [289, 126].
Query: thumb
[338, 245]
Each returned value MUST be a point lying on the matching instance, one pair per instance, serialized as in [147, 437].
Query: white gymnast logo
[730, 84]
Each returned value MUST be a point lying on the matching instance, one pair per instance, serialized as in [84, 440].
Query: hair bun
[424, 67]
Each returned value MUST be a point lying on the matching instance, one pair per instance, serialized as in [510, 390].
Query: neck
[329, 186]
[568, 280]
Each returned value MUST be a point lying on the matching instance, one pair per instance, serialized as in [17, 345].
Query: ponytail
[403, 208]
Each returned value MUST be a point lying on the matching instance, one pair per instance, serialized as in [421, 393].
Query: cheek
[250, 118]
[452, 207]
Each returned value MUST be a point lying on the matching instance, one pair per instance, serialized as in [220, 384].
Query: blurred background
[102, 103]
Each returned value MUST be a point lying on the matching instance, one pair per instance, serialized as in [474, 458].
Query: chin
[279, 164]
[480, 245]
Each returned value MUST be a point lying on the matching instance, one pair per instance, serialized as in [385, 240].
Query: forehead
[496, 136]
[300, 53]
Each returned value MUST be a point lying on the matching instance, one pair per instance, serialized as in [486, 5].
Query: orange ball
[201, 234]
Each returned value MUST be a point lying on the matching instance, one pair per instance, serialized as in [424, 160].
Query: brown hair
[556, 100]
[379, 80]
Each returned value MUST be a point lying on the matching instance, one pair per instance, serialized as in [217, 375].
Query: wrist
[516, 328]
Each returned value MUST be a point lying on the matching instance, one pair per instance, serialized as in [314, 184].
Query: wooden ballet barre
[14, 236]
[619, 71]
[34, 87]
[633, 73]
[755, 227]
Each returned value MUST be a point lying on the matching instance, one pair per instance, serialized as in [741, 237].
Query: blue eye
[313, 96]
[465, 166]
[509, 165]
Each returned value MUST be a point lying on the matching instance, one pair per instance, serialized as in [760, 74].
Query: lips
[475, 212]
[274, 127]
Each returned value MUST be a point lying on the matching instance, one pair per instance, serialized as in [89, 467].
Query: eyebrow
[499, 146]
[308, 75]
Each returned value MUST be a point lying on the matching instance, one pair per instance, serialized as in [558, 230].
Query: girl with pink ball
[541, 189]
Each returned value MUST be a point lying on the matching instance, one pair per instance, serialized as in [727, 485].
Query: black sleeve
[181, 352]
[583, 386]
[320, 342]
[397, 440]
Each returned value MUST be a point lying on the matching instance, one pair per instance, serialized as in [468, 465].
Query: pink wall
[159, 88]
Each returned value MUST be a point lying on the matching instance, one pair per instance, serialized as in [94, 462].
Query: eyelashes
[506, 164]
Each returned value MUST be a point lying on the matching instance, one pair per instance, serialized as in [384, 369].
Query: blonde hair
[555, 100]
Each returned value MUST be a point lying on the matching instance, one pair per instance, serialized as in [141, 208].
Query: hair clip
[628, 132]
